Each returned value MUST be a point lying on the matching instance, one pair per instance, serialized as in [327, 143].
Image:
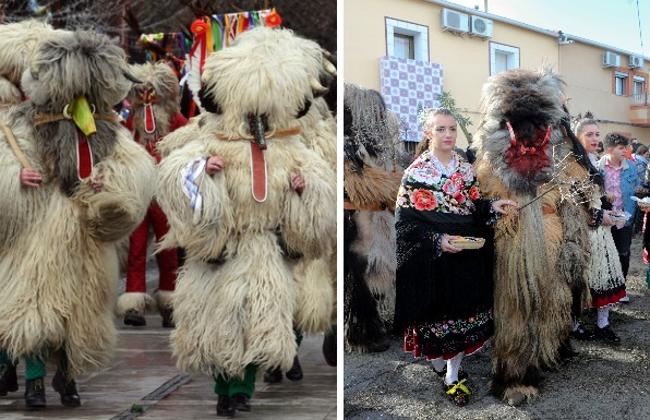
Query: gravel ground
[602, 382]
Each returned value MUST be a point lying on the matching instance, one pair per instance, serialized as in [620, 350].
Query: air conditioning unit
[611, 59]
[635, 62]
[481, 27]
[455, 21]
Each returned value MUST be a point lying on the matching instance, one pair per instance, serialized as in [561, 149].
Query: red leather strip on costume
[149, 119]
[258, 172]
[84, 156]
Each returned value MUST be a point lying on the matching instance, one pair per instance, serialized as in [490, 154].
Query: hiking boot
[273, 376]
[67, 389]
[295, 373]
[34, 394]
[134, 318]
[8, 379]
[242, 402]
[167, 315]
[226, 406]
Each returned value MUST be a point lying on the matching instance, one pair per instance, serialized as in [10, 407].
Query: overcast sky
[612, 22]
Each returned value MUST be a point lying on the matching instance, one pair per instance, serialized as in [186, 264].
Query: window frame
[621, 74]
[419, 32]
[508, 49]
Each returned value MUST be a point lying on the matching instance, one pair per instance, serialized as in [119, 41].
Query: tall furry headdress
[160, 78]
[66, 66]
[263, 74]
[71, 64]
[157, 92]
[520, 128]
[18, 41]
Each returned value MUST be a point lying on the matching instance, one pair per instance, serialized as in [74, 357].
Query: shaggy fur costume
[319, 134]
[18, 41]
[371, 186]
[58, 265]
[160, 80]
[542, 250]
[236, 296]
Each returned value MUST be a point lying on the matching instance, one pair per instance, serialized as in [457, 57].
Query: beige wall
[589, 85]
[465, 60]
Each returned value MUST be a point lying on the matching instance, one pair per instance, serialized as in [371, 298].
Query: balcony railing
[641, 99]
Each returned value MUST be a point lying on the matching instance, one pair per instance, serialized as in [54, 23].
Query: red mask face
[527, 156]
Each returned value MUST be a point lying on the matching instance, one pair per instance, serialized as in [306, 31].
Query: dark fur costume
[543, 249]
[370, 193]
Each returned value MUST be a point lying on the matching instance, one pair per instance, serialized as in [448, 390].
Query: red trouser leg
[167, 259]
[137, 265]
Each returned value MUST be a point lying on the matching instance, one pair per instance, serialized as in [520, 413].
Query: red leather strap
[149, 119]
[258, 172]
[84, 156]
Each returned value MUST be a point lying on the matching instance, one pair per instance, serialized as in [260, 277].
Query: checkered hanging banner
[407, 87]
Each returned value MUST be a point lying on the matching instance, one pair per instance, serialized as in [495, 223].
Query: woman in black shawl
[444, 293]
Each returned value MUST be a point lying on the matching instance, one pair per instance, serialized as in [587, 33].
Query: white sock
[439, 364]
[453, 365]
[603, 317]
[576, 325]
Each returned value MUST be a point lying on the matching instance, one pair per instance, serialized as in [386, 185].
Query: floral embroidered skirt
[447, 338]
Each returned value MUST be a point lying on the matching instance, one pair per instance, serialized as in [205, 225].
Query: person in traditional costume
[444, 292]
[318, 126]
[17, 42]
[621, 184]
[247, 198]
[606, 281]
[78, 184]
[371, 182]
[155, 112]
[542, 250]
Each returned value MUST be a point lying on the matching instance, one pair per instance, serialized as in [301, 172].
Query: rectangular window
[407, 40]
[638, 87]
[503, 58]
[404, 46]
[620, 82]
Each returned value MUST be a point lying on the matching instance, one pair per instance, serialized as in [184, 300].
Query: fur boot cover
[163, 299]
[236, 296]
[137, 301]
[542, 250]
[58, 265]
